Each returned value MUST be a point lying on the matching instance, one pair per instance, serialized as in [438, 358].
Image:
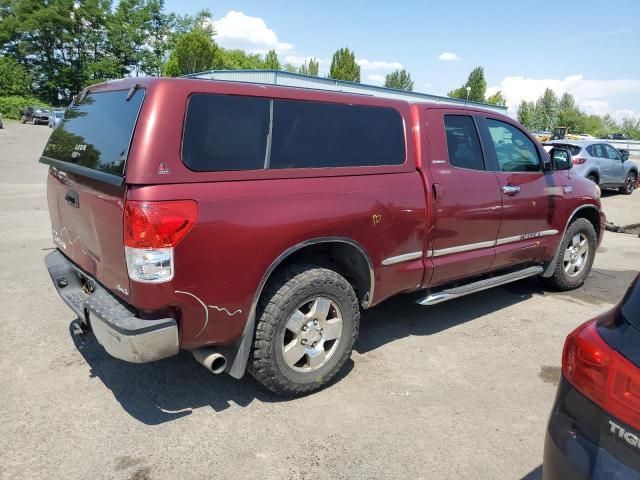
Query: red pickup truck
[251, 224]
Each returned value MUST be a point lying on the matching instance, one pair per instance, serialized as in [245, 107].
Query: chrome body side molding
[526, 236]
[405, 257]
[492, 243]
[463, 248]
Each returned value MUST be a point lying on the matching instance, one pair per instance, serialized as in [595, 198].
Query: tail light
[601, 374]
[578, 160]
[151, 231]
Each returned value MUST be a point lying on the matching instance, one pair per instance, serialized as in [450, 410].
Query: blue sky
[582, 47]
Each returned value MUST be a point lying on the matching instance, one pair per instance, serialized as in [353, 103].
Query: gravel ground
[458, 390]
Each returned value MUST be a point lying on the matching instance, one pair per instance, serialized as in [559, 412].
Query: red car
[250, 224]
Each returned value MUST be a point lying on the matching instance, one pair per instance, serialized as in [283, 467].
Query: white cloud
[622, 113]
[376, 78]
[378, 65]
[590, 94]
[298, 60]
[237, 30]
[448, 56]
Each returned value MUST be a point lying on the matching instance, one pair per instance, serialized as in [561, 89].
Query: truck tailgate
[86, 186]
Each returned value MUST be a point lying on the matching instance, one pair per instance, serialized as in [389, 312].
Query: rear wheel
[307, 325]
[593, 178]
[577, 251]
[629, 184]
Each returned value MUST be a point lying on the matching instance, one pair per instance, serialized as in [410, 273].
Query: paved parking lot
[458, 390]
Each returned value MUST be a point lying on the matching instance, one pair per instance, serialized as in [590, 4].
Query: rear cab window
[96, 132]
[463, 143]
[232, 132]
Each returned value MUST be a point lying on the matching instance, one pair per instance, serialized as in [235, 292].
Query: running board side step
[455, 292]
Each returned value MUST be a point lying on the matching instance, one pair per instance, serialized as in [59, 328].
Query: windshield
[96, 133]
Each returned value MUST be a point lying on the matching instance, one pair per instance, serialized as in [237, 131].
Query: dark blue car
[594, 429]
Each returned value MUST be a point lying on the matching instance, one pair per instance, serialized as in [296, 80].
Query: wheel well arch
[344, 255]
[595, 173]
[588, 212]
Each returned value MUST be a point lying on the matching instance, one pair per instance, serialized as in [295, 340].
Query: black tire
[561, 280]
[285, 294]
[629, 184]
[593, 178]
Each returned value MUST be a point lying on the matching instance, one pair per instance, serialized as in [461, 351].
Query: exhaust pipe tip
[210, 359]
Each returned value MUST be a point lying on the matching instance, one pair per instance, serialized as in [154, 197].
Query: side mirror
[625, 154]
[561, 159]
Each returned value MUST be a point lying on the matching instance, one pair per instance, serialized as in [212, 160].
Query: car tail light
[578, 160]
[602, 374]
[151, 231]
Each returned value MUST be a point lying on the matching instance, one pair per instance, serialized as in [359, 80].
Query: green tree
[400, 80]
[14, 78]
[57, 41]
[194, 52]
[546, 112]
[237, 60]
[526, 113]
[311, 68]
[271, 61]
[344, 66]
[497, 99]
[631, 127]
[569, 115]
[288, 67]
[477, 87]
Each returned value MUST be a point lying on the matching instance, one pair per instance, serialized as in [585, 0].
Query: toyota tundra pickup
[251, 224]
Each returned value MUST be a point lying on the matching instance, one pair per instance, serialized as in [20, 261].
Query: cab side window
[463, 143]
[514, 150]
[596, 150]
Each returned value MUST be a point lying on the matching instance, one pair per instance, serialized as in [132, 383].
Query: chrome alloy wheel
[312, 334]
[576, 255]
[630, 184]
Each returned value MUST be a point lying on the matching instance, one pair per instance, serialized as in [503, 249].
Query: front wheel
[577, 251]
[629, 184]
[307, 323]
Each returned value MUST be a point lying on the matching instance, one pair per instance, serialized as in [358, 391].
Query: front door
[467, 198]
[528, 194]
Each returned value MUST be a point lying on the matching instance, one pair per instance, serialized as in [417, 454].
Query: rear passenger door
[467, 198]
[598, 152]
[525, 190]
[615, 169]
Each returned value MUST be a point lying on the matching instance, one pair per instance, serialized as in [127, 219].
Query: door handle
[437, 192]
[510, 189]
[72, 198]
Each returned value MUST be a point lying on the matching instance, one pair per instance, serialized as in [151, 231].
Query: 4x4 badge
[163, 169]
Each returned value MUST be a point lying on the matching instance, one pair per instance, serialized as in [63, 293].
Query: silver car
[601, 163]
[55, 118]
